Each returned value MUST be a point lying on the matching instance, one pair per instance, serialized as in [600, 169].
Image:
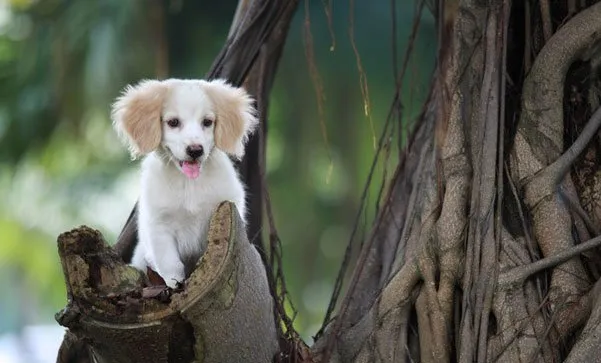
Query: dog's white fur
[174, 210]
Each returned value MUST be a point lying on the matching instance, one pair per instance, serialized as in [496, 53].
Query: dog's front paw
[174, 276]
[175, 283]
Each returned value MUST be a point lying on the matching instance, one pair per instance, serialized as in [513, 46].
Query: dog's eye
[207, 122]
[174, 122]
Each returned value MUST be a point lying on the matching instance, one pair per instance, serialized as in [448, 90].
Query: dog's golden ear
[136, 116]
[235, 116]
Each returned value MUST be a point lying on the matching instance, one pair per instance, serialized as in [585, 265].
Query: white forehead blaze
[187, 101]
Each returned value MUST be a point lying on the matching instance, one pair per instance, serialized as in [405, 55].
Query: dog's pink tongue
[191, 169]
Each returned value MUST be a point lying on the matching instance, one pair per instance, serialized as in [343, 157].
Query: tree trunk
[475, 255]
[225, 313]
[485, 245]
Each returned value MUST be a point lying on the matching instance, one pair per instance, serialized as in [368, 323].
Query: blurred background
[62, 62]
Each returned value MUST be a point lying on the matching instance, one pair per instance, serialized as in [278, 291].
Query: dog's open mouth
[190, 168]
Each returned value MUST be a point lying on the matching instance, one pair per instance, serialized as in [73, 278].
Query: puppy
[185, 129]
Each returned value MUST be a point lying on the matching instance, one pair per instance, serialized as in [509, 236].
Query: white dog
[185, 128]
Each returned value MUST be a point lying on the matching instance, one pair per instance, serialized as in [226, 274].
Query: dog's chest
[187, 208]
[190, 201]
[184, 206]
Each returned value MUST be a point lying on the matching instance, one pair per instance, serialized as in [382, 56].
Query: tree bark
[224, 314]
[449, 272]
[259, 83]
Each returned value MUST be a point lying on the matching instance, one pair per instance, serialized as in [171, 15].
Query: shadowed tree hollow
[485, 247]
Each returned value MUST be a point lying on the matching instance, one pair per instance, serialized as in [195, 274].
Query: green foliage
[63, 62]
[35, 258]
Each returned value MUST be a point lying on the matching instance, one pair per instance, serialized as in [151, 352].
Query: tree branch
[562, 165]
[519, 274]
[539, 142]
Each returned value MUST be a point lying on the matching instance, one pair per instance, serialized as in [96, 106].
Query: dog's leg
[138, 258]
[163, 253]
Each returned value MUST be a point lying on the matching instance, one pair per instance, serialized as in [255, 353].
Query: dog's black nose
[195, 151]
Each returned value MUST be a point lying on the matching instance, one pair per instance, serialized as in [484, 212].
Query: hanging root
[466, 282]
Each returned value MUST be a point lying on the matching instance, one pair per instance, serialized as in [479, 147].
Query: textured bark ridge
[482, 250]
[224, 313]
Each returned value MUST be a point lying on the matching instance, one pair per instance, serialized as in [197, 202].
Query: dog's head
[185, 118]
